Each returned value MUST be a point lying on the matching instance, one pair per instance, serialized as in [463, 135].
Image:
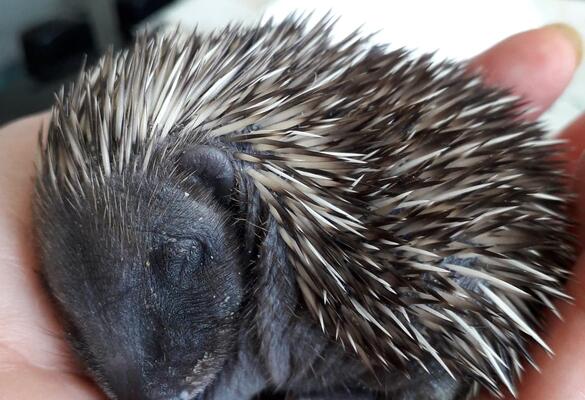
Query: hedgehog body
[351, 204]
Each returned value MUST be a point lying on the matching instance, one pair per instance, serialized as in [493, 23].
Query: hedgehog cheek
[211, 166]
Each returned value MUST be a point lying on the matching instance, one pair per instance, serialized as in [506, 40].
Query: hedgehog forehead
[120, 241]
[153, 206]
[126, 216]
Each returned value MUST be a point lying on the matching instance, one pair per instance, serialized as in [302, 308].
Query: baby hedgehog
[266, 212]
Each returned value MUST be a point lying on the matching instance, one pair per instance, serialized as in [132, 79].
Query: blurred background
[43, 42]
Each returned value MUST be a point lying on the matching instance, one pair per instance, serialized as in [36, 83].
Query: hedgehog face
[146, 283]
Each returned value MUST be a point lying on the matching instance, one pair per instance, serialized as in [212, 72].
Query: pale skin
[35, 362]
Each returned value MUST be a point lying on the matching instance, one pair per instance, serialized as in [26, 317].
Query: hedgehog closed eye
[288, 214]
[178, 259]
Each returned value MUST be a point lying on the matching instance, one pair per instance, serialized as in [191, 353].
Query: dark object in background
[53, 53]
[131, 12]
[56, 48]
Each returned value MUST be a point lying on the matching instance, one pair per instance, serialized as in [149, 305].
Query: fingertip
[537, 64]
[571, 35]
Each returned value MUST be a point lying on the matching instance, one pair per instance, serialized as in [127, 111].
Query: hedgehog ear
[212, 167]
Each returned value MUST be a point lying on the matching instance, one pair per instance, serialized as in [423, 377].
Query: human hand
[35, 362]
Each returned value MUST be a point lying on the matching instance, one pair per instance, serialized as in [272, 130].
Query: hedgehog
[263, 211]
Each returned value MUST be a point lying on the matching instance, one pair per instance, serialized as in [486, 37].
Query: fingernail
[572, 35]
